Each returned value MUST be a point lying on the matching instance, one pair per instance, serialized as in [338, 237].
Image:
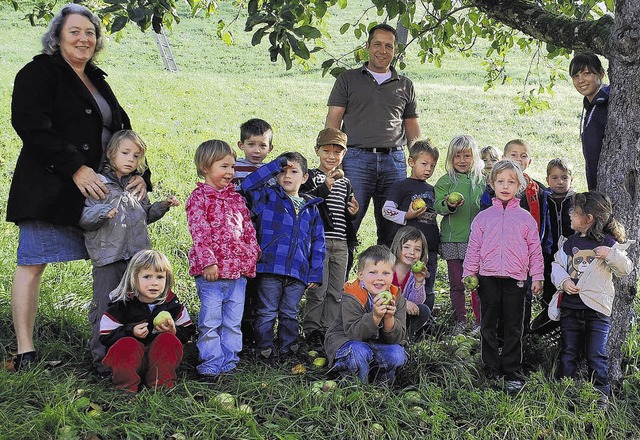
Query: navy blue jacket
[594, 121]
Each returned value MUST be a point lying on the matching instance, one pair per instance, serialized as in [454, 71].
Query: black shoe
[25, 361]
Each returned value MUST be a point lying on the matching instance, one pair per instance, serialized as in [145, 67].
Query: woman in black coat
[65, 113]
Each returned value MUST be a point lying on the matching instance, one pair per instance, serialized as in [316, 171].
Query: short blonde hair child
[114, 145]
[210, 152]
[516, 141]
[508, 165]
[143, 260]
[374, 255]
[460, 143]
[561, 164]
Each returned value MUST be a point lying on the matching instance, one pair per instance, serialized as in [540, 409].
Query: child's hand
[602, 252]
[421, 276]
[570, 287]
[312, 286]
[332, 176]
[536, 287]
[353, 206]
[412, 308]
[379, 309]
[137, 187]
[210, 273]
[454, 205]
[171, 202]
[167, 326]
[141, 330]
[112, 213]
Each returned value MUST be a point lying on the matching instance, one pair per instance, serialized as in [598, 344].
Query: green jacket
[456, 225]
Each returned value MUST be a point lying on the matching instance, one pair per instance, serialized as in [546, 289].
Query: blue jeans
[278, 297]
[585, 331]
[372, 175]
[357, 357]
[220, 339]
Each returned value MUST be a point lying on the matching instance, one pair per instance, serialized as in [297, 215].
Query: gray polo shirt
[374, 113]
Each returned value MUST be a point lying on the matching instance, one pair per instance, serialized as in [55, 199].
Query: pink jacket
[504, 242]
[222, 232]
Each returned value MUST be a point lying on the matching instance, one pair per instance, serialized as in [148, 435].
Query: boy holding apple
[411, 203]
[371, 324]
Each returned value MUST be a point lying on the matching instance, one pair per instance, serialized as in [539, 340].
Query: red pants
[128, 362]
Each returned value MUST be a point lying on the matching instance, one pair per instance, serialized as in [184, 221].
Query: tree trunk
[618, 174]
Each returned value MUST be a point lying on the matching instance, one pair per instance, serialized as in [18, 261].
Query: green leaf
[307, 31]
[227, 38]
[257, 36]
[342, 4]
[137, 15]
[119, 23]
[344, 28]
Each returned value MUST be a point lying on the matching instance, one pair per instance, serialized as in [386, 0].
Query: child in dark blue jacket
[291, 236]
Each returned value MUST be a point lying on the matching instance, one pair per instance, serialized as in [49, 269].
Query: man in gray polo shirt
[376, 108]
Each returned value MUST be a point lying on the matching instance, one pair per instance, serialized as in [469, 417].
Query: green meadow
[217, 88]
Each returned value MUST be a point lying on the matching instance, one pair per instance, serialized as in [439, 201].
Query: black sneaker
[25, 361]
[602, 402]
[515, 386]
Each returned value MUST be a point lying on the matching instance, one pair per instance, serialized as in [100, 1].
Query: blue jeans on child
[357, 357]
[278, 297]
[219, 339]
[586, 330]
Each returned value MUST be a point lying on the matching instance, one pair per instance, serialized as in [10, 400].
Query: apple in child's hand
[470, 282]
[455, 198]
[417, 266]
[337, 174]
[418, 204]
[387, 297]
[161, 318]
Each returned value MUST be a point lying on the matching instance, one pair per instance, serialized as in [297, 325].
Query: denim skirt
[42, 242]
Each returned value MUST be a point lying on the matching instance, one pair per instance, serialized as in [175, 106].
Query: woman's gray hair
[51, 38]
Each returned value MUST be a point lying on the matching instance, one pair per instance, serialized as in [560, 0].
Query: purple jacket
[504, 242]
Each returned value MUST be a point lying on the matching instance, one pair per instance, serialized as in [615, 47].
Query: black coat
[60, 125]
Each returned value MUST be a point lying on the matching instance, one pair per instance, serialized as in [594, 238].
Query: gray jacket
[110, 240]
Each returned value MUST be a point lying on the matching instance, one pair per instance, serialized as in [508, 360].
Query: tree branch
[530, 18]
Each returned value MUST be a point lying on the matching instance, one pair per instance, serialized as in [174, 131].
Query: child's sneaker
[602, 402]
[266, 356]
[25, 361]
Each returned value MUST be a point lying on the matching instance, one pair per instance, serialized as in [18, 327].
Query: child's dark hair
[405, 234]
[374, 255]
[383, 27]
[599, 207]
[293, 156]
[424, 146]
[561, 164]
[586, 60]
[255, 127]
[209, 152]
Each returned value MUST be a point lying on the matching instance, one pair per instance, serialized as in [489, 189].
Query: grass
[216, 89]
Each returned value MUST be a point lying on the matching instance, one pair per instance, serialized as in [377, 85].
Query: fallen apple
[418, 204]
[298, 369]
[417, 266]
[245, 409]
[412, 397]
[455, 198]
[377, 429]
[225, 400]
[313, 353]
[319, 362]
[162, 318]
[470, 282]
[329, 385]
[386, 295]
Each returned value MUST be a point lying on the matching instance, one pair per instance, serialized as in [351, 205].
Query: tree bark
[618, 174]
[529, 18]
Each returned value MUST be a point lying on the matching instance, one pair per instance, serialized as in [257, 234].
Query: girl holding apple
[143, 342]
[458, 196]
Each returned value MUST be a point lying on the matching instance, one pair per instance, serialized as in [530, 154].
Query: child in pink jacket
[504, 247]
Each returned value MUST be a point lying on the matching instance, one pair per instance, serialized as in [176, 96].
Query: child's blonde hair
[508, 165]
[143, 260]
[210, 152]
[460, 143]
[561, 164]
[374, 255]
[405, 234]
[490, 152]
[599, 206]
[423, 146]
[114, 145]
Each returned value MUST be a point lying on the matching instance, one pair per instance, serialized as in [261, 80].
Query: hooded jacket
[593, 123]
[504, 242]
